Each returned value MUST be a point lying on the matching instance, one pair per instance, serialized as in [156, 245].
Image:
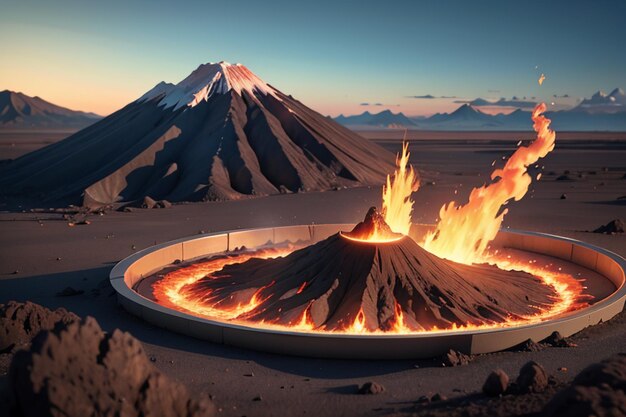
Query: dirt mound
[496, 383]
[78, 370]
[455, 358]
[599, 390]
[20, 322]
[339, 280]
[532, 378]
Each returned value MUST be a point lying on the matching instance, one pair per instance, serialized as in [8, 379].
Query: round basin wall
[127, 273]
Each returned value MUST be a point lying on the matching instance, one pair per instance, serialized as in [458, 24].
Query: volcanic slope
[334, 280]
[220, 134]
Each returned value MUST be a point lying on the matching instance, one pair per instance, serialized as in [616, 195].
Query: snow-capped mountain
[17, 110]
[613, 102]
[206, 80]
[601, 112]
[220, 133]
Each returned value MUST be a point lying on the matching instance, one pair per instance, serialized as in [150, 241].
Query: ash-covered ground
[583, 187]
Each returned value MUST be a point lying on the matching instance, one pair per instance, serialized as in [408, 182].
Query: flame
[399, 326]
[541, 79]
[358, 326]
[305, 323]
[464, 232]
[397, 204]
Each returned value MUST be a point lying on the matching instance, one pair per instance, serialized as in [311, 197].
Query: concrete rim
[371, 346]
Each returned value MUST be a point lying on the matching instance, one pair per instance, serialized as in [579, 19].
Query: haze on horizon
[334, 57]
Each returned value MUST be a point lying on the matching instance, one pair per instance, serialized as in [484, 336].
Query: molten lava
[375, 279]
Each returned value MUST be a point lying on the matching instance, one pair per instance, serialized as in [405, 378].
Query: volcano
[344, 279]
[220, 134]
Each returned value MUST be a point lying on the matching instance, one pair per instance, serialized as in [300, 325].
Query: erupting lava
[376, 279]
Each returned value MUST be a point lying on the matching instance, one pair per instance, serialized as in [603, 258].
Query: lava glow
[462, 235]
[464, 231]
[170, 291]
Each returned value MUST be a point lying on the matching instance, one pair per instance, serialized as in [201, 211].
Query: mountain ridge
[18, 110]
[595, 115]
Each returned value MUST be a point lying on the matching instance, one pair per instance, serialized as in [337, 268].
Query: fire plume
[397, 203]
[464, 231]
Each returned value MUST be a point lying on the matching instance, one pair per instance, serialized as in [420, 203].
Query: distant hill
[385, 119]
[601, 112]
[19, 111]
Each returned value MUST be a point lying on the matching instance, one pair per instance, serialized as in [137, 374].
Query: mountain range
[19, 111]
[601, 112]
[221, 133]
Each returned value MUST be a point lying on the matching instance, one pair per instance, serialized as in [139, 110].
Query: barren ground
[49, 256]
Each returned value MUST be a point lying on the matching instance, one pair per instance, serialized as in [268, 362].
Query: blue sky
[98, 56]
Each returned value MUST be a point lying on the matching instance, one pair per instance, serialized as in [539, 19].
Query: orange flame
[359, 323]
[464, 232]
[305, 323]
[399, 326]
[397, 203]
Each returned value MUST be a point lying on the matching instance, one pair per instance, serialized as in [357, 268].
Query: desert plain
[582, 186]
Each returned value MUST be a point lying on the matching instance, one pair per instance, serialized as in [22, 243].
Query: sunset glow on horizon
[99, 58]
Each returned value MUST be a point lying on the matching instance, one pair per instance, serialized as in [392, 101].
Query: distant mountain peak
[599, 93]
[466, 109]
[206, 80]
[18, 110]
[603, 102]
[385, 118]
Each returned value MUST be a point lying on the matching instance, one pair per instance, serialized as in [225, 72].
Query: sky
[334, 56]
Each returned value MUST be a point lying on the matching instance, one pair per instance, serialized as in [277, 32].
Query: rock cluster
[20, 322]
[79, 370]
[455, 358]
[599, 390]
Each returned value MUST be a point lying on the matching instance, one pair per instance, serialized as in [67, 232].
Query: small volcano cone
[337, 279]
[372, 228]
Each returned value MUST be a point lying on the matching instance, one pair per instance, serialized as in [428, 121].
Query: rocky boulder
[79, 370]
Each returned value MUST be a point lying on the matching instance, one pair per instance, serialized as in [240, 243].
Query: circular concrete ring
[148, 261]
